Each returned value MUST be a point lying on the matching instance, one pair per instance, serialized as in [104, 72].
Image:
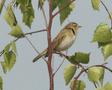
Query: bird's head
[73, 26]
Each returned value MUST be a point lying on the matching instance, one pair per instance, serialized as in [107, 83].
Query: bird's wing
[58, 39]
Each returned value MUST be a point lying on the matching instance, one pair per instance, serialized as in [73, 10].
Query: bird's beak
[79, 26]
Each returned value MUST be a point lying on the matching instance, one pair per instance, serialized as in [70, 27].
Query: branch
[61, 54]
[85, 70]
[63, 8]
[49, 62]
[50, 50]
[82, 71]
[107, 12]
[30, 33]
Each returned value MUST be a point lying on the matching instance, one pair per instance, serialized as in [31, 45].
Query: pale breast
[66, 43]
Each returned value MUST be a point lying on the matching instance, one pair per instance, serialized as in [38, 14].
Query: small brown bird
[63, 40]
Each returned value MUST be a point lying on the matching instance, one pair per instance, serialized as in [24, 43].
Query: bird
[64, 40]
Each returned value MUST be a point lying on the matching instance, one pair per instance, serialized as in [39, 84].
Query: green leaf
[10, 46]
[6, 58]
[27, 10]
[10, 16]
[41, 3]
[95, 73]
[5, 63]
[101, 44]
[102, 33]
[16, 32]
[7, 47]
[77, 85]
[1, 83]
[9, 57]
[1, 5]
[11, 20]
[9, 61]
[102, 76]
[65, 12]
[100, 88]
[69, 72]
[95, 4]
[55, 4]
[107, 50]
[108, 86]
[12, 60]
[61, 4]
[4, 67]
[13, 45]
[79, 57]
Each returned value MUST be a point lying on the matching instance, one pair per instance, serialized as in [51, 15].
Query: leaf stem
[107, 12]
[59, 67]
[44, 15]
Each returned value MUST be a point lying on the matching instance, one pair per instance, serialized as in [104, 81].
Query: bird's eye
[74, 24]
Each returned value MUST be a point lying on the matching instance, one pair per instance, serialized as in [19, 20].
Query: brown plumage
[63, 40]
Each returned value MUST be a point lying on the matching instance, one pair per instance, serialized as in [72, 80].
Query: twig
[61, 54]
[45, 18]
[44, 15]
[31, 44]
[107, 12]
[102, 67]
[30, 33]
[95, 84]
[58, 67]
[34, 47]
[84, 70]
[1, 53]
[67, 58]
[63, 8]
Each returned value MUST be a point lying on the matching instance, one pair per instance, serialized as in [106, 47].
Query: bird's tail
[44, 53]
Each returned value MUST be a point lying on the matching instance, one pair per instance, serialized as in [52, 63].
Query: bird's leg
[61, 53]
[66, 52]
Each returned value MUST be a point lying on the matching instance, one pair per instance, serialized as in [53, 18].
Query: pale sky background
[33, 76]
